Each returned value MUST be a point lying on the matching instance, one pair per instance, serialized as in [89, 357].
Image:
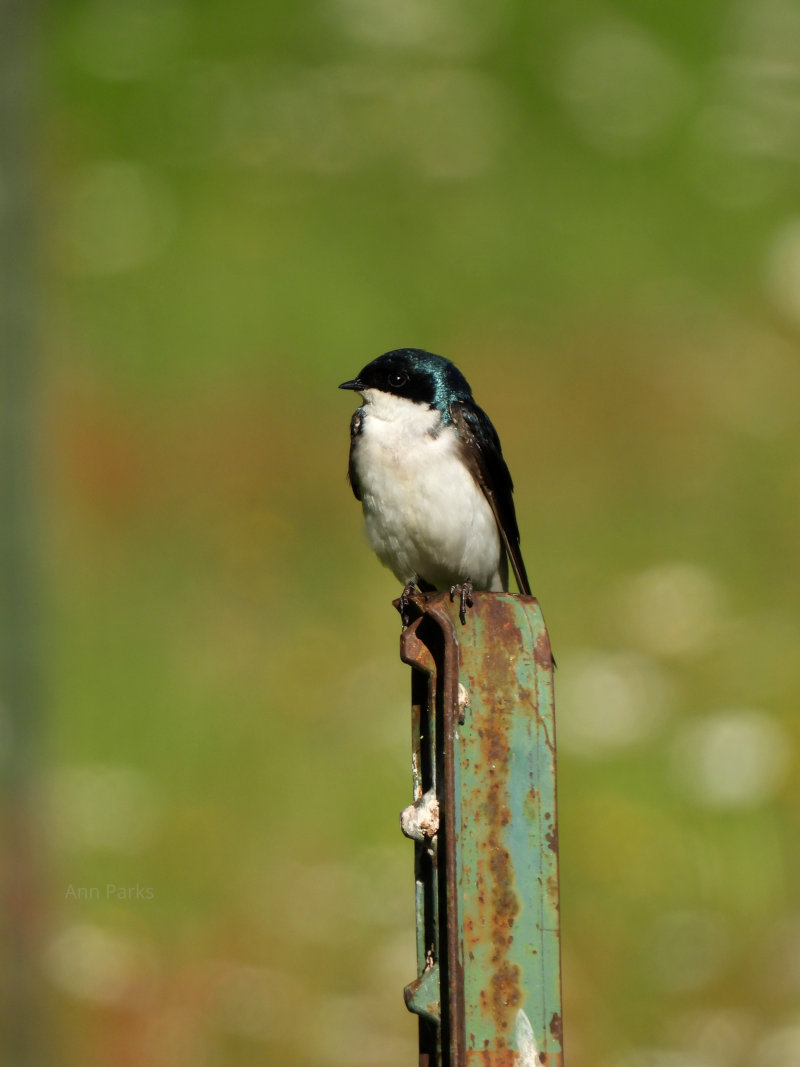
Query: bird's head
[416, 375]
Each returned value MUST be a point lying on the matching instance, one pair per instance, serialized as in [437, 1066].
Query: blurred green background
[594, 210]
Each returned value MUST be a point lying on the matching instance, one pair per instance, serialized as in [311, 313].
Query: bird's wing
[355, 431]
[483, 456]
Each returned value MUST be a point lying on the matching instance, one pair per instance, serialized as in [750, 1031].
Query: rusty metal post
[488, 988]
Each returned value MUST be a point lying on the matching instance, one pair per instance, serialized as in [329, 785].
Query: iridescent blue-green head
[416, 375]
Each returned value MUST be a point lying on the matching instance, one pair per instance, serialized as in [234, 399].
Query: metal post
[488, 988]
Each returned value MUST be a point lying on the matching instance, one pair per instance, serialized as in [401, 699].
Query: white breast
[424, 514]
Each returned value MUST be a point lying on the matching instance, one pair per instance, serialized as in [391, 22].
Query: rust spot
[551, 837]
[506, 1057]
[506, 992]
[542, 652]
[556, 1028]
[471, 937]
[503, 994]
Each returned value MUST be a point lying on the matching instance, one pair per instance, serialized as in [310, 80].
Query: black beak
[355, 384]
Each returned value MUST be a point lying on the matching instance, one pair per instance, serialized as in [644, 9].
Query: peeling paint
[463, 703]
[524, 1039]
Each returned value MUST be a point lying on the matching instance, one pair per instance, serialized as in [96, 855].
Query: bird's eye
[397, 379]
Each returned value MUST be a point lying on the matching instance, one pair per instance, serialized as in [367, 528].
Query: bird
[427, 466]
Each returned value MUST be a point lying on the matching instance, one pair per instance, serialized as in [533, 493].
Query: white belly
[425, 516]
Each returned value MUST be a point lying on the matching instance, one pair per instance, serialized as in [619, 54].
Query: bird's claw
[464, 592]
[405, 599]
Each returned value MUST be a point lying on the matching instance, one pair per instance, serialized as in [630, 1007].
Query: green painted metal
[484, 822]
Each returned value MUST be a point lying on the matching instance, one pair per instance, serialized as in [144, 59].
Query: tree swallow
[426, 464]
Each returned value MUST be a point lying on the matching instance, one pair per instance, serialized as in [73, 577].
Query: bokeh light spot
[99, 965]
[779, 1048]
[621, 87]
[672, 609]
[731, 759]
[782, 269]
[101, 806]
[117, 215]
[610, 701]
[450, 27]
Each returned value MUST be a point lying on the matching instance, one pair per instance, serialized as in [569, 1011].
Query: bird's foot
[405, 599]
[464, 592]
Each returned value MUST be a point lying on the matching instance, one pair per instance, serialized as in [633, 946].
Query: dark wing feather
[484, 458]
[355, 431]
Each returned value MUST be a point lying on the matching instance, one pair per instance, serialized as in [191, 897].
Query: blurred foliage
[593, 209]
